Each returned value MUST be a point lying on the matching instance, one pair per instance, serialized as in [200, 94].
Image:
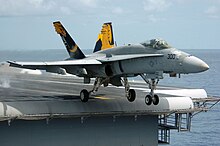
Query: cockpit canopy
[156, 43]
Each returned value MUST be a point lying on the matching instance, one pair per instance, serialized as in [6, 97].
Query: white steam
[4, 82]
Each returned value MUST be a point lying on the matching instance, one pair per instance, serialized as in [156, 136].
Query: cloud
[154, 19]
[89, 3]
[44, 7]
[117, 10]
[156, 5]
[25, 7]
[213, 12]
[154, 9]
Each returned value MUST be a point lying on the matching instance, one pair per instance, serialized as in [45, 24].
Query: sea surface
[205, 129]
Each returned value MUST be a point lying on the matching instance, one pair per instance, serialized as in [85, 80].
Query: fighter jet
[109, 64]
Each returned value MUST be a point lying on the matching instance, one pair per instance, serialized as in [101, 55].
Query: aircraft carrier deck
[45, 109]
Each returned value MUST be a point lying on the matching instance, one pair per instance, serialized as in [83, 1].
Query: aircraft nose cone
[205, 66]
[193, 64]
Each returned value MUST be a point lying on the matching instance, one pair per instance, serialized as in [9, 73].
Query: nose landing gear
[151, 97]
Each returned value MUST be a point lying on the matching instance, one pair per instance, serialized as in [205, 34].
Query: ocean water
[205, 129]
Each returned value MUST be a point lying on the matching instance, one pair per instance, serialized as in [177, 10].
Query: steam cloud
[4, 82]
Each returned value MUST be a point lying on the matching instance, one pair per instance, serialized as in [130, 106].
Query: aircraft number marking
[171, 56]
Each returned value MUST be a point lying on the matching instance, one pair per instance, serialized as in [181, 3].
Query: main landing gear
[84, 94]
[129, 93]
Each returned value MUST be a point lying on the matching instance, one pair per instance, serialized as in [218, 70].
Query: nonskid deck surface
[17, 86]
[45, 87]
[24, 93]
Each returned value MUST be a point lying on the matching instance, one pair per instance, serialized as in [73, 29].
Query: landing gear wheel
[84, 95]
[148, 100]
[155, 99]
[131, 95]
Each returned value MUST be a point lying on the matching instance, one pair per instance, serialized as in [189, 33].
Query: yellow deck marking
[102, 97]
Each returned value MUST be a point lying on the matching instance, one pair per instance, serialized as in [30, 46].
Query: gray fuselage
[171, 61]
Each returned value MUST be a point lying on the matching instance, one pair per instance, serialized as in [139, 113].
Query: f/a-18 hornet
[114, 64]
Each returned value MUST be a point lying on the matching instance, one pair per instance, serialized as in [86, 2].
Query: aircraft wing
[112, 58]
[79, 62]
[43, 65]
[77, 67]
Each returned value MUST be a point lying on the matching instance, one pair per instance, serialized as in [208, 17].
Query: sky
[184, 24]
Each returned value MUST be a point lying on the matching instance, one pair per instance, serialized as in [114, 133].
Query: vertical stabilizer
[72, 48]
[105, 38]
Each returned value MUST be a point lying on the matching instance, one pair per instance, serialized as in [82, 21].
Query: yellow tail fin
[105, 38]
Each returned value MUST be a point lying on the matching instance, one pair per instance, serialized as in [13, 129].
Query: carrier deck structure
[44, 109]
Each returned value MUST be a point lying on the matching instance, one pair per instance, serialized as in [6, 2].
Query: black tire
[148, 100]
[156, 99]
[131, 95]
[84, 95]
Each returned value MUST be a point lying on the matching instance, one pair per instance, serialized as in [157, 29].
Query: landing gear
[148, 100]
[151, 97]
[155, 99]
[129, 93]
[84, 95]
